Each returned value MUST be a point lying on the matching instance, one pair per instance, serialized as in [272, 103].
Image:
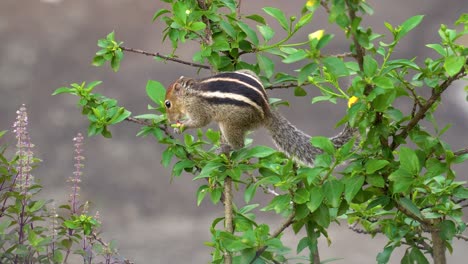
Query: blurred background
[46, 44]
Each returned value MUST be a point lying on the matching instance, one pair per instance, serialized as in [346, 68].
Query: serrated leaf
[279, 15]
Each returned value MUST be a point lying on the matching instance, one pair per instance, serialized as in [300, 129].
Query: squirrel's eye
[168, 103]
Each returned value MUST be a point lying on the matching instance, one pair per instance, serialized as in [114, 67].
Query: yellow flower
[316, 35]
[310, 3]
[352, 101]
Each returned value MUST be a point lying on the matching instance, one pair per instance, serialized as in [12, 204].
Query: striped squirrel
[237, 101]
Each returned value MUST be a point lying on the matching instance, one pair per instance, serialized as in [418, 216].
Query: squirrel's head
[174, 101]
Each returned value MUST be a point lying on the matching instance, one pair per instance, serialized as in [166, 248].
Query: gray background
[48, 44]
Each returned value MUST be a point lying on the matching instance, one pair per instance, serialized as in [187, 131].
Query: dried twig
[158, 55]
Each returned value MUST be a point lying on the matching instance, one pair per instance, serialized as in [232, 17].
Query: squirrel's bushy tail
[295, 143]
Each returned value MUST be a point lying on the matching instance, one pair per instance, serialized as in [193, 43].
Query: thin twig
[239, 9]
[275, 234]
[456, 153]
[462, 237]
[325, 6]
[339, 55]
[436, 93]
[208, 38]
[158, 55]
[106, 245]
[143, 122]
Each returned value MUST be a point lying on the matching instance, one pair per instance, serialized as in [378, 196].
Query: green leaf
[336, 66]
[249, 31]
[280, 203]
[316, 198]
[208, 169]
[333, 189]
[384, 256]
[255, 152]
[196, 26]
[383, 82]
[215, 195]
[304, 20]
[299, 91]
[267, 32]
[2, 132]
[402, 180]
[301, 196]
[278, 15]
[375, 180]
[154, 117]
[156, 92]
[201, 193]
[375, 165]
[296, 56]
[266, 65]
[323, 143]
[408, 25]
[410, 206]
[447, 230]
[257, 18]
[166, 157]
[453, 64]
[409, 160]
[63, 90]
[305, 72]
[181, 165]
[370, 66]
[37, 205]
[461, 192]
[352, 186]
[417, 256]
[159, 13]
[322, 216]
[249, 193]
[303, 243]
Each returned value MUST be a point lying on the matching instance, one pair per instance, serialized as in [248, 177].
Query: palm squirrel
[237, 101]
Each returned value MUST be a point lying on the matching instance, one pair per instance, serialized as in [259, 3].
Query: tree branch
[143, 122]
[280, 230]
[158, 55]
[228, 214]
[436, 93]
[456, 153]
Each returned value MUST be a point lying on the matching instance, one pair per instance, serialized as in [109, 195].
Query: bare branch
[158, 55]
[339, 55]
[228, 214]
[462, 237]
[143, 122]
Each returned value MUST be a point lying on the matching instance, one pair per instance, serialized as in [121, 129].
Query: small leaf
[409, 160]
[333, 189]
[402, 180]
[299, 91]
[155, 91]
[196, 26]
[336, 66]
[159, 13]
[266, 31]
[447, 230]
[383, 82]
[63, 90]
[305, 72]
[352, 186]
[410, 206]
[301, 196]
[249, 193]
[316, 198]
[257, 18]
[278, 15]
[323, 143]
[370, 66]
[201, 193]
[375, 165]
[408, 25]
[296, 56]
[249, 31]
[453, 64]
[266, 65]
[384, 256]
[304, 20]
